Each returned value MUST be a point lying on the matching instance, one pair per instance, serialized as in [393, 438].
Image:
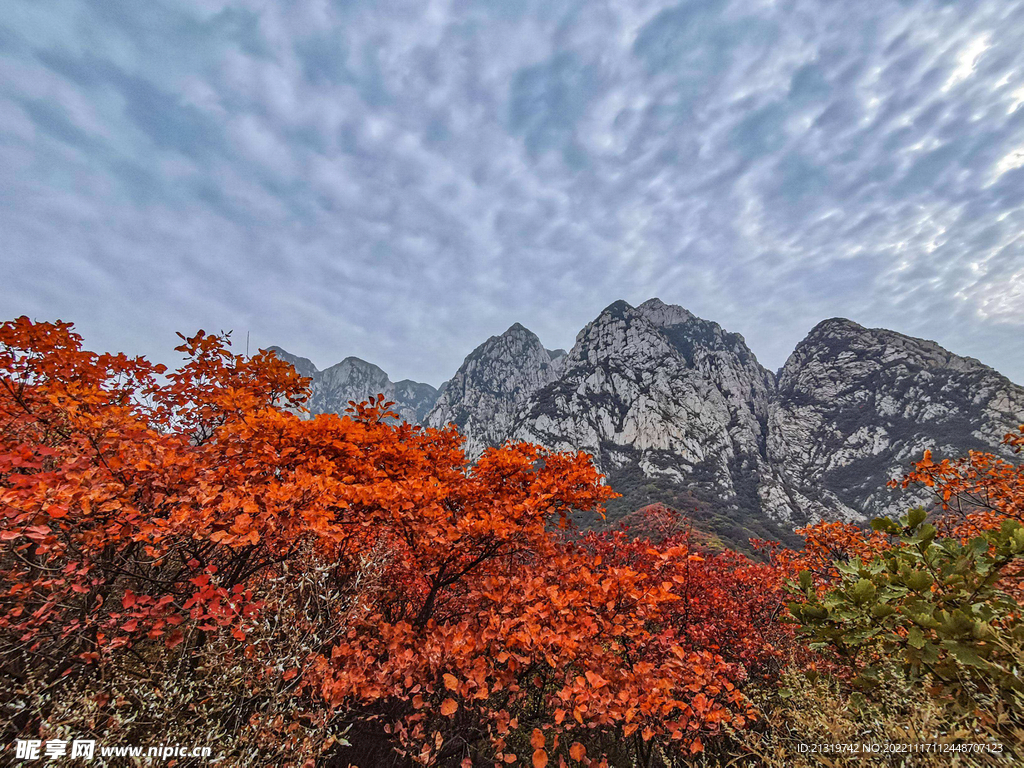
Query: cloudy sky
[399, 179]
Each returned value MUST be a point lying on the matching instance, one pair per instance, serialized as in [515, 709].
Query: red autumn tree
[971, 494]
[974, 492]
[727, 603]
[147, 515]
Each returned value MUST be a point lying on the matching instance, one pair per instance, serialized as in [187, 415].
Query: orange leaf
[540, 759]
[449, 707]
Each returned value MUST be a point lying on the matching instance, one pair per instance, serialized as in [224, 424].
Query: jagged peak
[843, 326]
[836, 324]
[664, 315]
[416, 384]
[517, 331]
[653, 303]
[516, 336]
[838, 334]
[620, 310]
[357, 362]
[617, 309]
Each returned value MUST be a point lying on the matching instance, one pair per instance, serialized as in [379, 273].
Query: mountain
[303, 366]
[854, 406]
[358, 380]
[417, 397]
[677, 410]
[673, 408]
[496, 378]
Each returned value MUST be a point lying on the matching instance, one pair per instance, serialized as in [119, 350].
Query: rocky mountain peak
[356, 379]
[841, 340]
[483, 395]
[619, 332]
[677, 410]
[671, 406]
[664, 315]
[856, 405]
[352, 364]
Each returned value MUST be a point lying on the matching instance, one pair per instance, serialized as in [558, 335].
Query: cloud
[399, 180]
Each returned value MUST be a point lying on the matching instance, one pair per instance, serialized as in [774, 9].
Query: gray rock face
[358, 380]
[416, 396]
[496, 378]
[658, 387]
[677, 410]
[856, 405]
[665, 401]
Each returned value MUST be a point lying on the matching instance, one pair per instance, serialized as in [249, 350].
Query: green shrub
[934, 609]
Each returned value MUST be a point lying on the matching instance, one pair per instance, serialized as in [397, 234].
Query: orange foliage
[142, 510]
[825, 544]
[727, 604]
[973, 493]
[976, 493]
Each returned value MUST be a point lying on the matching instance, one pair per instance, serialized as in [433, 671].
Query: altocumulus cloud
[399, 179]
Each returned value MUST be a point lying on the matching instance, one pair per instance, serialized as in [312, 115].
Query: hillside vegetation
[185, 560]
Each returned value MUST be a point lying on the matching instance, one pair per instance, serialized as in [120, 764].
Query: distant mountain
[358, 380]
[495, 379]
[677, 410]
[302, 365]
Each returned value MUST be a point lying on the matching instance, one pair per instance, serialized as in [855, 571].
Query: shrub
[932, 607]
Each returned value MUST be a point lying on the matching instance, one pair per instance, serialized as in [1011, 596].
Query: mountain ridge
[356, 379]
[676, 409]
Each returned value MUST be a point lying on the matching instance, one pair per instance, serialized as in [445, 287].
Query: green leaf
[919, 581]
[884, 525]
[967, 655]
[863, 590]
[926, 533]
[881, 610]
[815, 612]
[915, 638]
[915, 517]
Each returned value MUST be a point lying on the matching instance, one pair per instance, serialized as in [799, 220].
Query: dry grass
[805, 712]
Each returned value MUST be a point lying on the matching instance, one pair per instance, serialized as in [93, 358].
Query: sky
[400, 179]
